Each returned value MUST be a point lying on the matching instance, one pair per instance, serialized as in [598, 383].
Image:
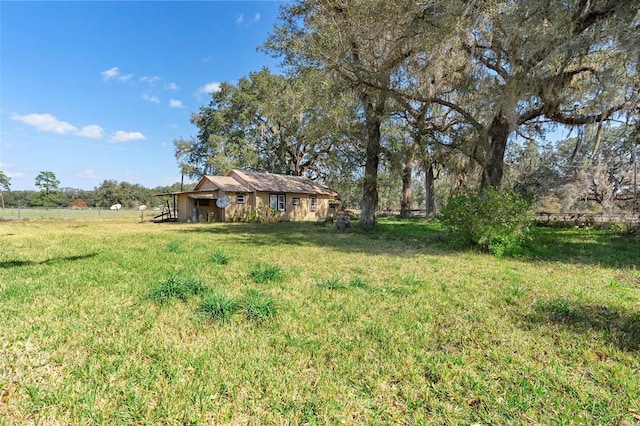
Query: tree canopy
[379, 92]
[5, 185]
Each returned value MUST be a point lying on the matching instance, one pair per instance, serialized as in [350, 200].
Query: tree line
[108, 193]
[404, 103]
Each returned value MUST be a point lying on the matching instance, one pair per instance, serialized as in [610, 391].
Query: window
[240, 199]
[313, 203]
[277, 202]
[295, 201]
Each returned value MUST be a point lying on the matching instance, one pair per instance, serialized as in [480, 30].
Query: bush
[496, 221]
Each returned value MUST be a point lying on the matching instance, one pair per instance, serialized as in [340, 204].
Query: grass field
[119, 322]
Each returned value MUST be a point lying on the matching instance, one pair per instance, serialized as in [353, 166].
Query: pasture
[295, 323]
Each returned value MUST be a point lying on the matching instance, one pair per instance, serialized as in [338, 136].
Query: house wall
[185, 204]
[254, 202]
[235, 210]
[301, 212]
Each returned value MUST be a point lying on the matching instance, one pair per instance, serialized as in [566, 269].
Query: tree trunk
[494, 166]
[429, 199]
[373, 121]
[407, 191]
[370, 184]
[407, 183]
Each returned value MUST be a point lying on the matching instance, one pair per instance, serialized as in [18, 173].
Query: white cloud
[240, 19]
[256, 18]
[46, 123]
[93, 131]
[151, 98]
[114, 74]
[151, 80]
[172, 86]
[175, 103]
[121, 136]
[6, 168]
[87, 174]
[49, 123]
[16, 175]
[209, 88]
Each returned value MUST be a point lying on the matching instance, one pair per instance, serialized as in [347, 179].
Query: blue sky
[99, 90]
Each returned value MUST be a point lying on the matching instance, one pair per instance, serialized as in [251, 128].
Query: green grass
[258, 306]
[219, 257]
[416, 333]
[176, 287]
[219, 307]
[263, 272]
[332, 284]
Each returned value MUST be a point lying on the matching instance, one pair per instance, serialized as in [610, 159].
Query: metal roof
[269, 182]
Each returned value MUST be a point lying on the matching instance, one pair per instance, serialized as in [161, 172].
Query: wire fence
[19, 213]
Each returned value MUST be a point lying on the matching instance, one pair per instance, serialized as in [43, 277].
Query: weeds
[219, 257]
[219, 307]
[358, 282]
[258, 306]
[331, 284]
[176, 287]
[173, 246]
[263, 272]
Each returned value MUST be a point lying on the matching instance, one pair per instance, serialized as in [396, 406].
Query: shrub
[495, 221]
[258, 306]
[262, 272]
[176, 287]
[219, 307]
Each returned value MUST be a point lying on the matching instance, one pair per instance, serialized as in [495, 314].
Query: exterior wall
[301, 212]
[253, 201]
[185, 204]
[237, 210]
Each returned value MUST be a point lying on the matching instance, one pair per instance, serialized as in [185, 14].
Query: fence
[579, 218]
[17, 213]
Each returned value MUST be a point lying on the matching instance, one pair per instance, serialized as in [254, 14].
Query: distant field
[64, 213]
[104, 322]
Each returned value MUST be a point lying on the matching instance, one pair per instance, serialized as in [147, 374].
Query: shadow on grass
[408, 236]
[19, 263]
[392, 237]
[586, 246]
[618, 327]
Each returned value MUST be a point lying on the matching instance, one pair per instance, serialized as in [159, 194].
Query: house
[245, 195]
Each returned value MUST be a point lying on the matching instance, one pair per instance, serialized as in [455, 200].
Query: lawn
[111, 321]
